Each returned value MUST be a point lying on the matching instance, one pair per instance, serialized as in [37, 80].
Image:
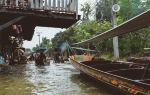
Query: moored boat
[129, 77]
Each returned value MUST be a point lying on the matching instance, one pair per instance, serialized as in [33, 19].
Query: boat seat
[96, 62]
[147, 81]
[134, 73]
[113, 66]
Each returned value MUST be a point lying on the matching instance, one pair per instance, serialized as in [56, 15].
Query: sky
[48, 32]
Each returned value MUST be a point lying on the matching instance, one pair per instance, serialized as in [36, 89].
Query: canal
[55, 79]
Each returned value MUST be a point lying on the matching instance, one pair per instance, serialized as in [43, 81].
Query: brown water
[56, 79]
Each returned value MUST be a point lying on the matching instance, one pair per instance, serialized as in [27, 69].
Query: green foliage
[67, 35]
[46, 43]
[86, 30]
[86, 9]
[134, 43]
[125, 9]
[103, 10]
[82, 31]
[129, 44]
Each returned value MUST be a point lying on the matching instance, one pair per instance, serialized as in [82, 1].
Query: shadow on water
[13, 82]
[92, 87]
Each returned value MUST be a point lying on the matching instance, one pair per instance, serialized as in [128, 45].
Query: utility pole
[39, 35]
[114, 24]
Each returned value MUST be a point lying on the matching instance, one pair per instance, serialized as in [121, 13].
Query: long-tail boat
[131, 78]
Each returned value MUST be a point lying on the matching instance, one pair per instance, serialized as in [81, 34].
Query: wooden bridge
[31, 13]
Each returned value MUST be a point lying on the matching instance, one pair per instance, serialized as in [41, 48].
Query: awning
[136, 23]
[83, 49]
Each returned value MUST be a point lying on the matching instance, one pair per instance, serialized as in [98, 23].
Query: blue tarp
[2, 60]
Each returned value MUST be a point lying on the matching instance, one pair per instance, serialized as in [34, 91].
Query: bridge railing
[52, 5]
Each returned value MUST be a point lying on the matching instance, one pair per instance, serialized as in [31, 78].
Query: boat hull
[128, 86]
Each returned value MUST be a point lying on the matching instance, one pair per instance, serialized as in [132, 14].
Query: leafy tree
[46, 43]
[129, 44]
[103, 10]
[86, 9]
[67, 35]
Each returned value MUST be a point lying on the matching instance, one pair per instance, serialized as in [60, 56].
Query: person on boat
[31, 57]
[41, 59]
[2, 60]
[56, 55]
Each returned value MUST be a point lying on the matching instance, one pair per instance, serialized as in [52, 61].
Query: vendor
[2, 61]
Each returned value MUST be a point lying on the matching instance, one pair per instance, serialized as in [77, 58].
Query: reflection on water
[56, 79]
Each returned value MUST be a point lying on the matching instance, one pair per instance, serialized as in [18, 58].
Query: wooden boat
[131, 78]
[128, 77]
[139, 60]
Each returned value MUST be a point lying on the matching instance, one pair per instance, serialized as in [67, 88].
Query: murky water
[56, 79]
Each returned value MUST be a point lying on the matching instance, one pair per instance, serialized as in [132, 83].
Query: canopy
[78, 48]
[136, 23]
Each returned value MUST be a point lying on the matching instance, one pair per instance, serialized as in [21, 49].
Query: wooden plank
[136, 23]
[8, 24]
